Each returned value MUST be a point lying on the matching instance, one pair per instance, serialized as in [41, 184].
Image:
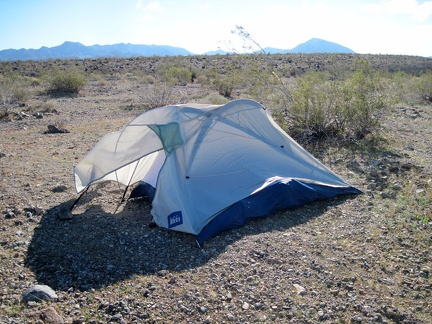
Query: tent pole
[78, 199]
[124, 194]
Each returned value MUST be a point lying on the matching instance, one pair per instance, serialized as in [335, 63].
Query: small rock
[203, 309]
[394, 169]
[2, 154]
[9, 214]
[116, 317]
[230, 317]
[406, 166]
[245, 306]
[60, 188]
[48, 316]
[356, 319]
[425, 272]
[371, 186]
[62, 213]
[374, 173]
[388, 194]
[162, 273]
[33, 209]
[54, 129]
[397, 186]
[39, 293]
[321, 315]
[229, 296]
[300, 290]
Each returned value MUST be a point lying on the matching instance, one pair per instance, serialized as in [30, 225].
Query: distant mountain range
[314, 45]
[70, 50]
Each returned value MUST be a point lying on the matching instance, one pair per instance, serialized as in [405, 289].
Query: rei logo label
[175, 219]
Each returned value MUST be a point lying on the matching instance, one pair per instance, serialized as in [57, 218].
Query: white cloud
[149, 10]
[418, 11]
[148, 18]
[153, 6]
[205, 6]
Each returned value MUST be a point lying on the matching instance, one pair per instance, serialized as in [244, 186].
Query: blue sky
[365, 26]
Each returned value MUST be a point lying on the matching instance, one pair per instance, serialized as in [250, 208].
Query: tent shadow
[96, 248]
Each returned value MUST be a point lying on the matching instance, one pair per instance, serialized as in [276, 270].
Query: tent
[209, 168]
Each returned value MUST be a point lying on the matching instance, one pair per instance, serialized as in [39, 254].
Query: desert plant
[319, 105]
[159, 94]
[68, 82]
[364, 99]
[323, 106]
[11, 91]
[261, 77]
[176, 75]
[424, 85]
[202, 79]
[6, 97]
[313, 111]
[224, 86]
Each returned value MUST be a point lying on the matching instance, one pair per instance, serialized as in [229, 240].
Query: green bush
[69, 82]
[224, 86]
[326, 107]
[12, 90]
[313, 111]
[364, 98]
[424, 86]
[160, 94]
[177, 75]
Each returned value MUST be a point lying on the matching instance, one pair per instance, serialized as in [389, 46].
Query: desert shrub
[160, 94]
[177, 75]
[194, 73]
[313, 111]
[69, 82]
[46, 107]
[19, 92]
[424, 85]
[148, 79]
[224, 86]
[202, 79]
[260, 79]
[319, 105]
[364, 98]
[225, 83]
[12, 90]
[323, 106]
[34, 81]
[398, 87]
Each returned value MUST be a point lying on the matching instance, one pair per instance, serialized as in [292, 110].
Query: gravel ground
[356, 259]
